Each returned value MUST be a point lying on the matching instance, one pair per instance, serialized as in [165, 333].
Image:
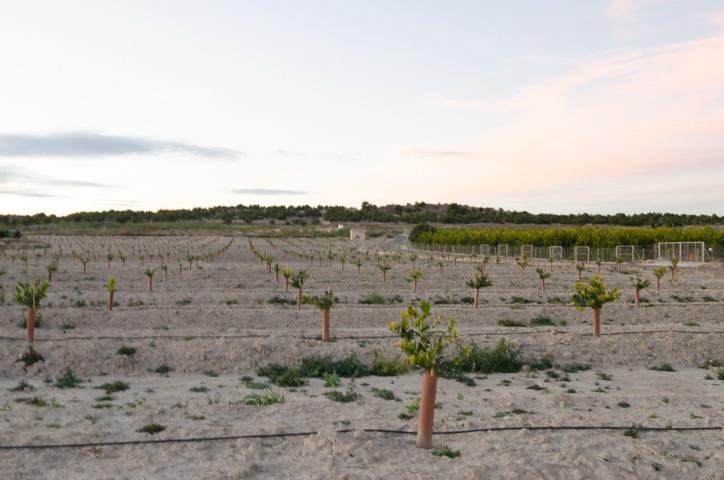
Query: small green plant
[332, 380]
[506, 322]
[151, 429]
[297, 281]
[126, 351]
[29, 295]
[664, 367]
[115, 386]
[269, 398]
[446, 452]
[163, 369]
[67, 379]
[349, 396]
[384, 394]
[414, 276]
[639, 284]
[324, 304]
[632, 431]
[110, 287]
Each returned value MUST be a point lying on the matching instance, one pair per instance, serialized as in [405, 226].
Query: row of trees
[418, 212]
[594, 237]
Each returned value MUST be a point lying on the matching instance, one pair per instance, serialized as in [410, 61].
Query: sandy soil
[215, 319]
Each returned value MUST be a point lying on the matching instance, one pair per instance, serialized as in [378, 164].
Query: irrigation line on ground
[350, 337]
[350, 430]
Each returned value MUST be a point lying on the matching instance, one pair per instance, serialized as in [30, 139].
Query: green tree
[480, 280]
[593, 294]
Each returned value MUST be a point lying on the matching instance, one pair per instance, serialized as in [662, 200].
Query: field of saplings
[249, 357]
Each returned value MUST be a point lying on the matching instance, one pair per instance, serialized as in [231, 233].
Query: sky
[546, 106]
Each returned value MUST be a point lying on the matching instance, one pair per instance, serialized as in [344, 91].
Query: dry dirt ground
[213, 324]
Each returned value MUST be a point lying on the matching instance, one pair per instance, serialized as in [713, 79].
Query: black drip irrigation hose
[352, 337]
[350, 430]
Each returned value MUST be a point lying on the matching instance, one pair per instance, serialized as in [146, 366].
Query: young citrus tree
[384, 267]
[542, 275]
[324, 304]
[413, 259]
[110, 287]
[580, 267]
[277, 269]
[639, 284]
[593, 294]
[358, 262]
[523, 263]
[109, 257]
[84, 261]
[422, 344]
[674, 267]
[29, 295]
[149, 273]
[598, 264]
[52, 268]
[287, 274]
[297, 281]
[659, 273]
[480, 280]
[413, 277]
[123, 257]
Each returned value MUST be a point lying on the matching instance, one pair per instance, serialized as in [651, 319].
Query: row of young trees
[594, 237]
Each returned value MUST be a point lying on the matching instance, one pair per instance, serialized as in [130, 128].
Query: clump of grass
[332, 380]
[575, 367]
[349, 396]
[282, 375]
[67, 379]
[251, 384]
[264, 400]
[22, 386]
[664, 367]
[506, 322]
[185, 301]
[514, 411]
[624, 404]
[446, 452]
[278, 300]
[384, 394]
[151, 429]
[632, 431]
[127, 351]
[200, 389]
[388, 367]
[318, 367]
[211, 373]
[375, 298]
[115, 386]
[604, 376]
[503, 358]
[720, 374]
[163, 369]
[541, 321]
[712, 363]
[30, 357]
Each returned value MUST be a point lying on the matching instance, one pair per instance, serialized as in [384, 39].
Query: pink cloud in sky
[641, 112]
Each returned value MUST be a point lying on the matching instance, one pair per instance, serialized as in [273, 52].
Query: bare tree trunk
[596, 322]
[428, 390]
[325, 326]
[30, 326]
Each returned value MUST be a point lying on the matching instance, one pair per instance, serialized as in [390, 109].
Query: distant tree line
[416, 213]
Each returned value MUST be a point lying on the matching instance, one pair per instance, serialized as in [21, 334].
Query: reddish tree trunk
[109, 264]
[30, 326]
[543, 285]
[325, 326]
[637, 297]
[299, 298]
[658, 284]
[50, 276]
[84, 268]
[414, 286]
[428, 389]
[277, 276]
[165, 276]
[384, 276]
[476, 302]
[286, 285]
[596, 322]
[110, 301]
[150, 284]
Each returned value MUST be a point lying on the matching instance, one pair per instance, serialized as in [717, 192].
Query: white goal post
[626, 253]
[526, 251]
[555, 252]
[582, 253]
[692, 252]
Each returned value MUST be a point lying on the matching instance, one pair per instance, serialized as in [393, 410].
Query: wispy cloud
[9, 174]
[267, 191]
[328, 156]
[25, 193]
[88, 144]
[436, 153]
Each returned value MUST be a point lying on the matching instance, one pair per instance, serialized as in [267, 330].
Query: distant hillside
[419, 212]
